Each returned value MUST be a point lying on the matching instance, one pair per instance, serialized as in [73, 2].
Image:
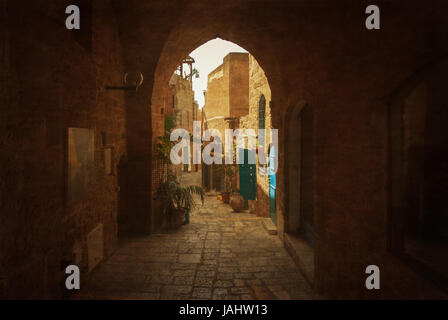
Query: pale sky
[208, 57]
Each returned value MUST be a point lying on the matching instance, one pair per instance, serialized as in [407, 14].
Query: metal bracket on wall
[134, 87]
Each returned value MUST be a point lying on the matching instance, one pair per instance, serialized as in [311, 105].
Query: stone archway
[177, 47]
[293, 149]
[299, 214]
[308, 54]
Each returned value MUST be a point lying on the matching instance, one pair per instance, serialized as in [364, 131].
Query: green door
[248, 178]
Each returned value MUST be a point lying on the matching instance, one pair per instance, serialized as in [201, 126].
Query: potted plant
[177, 200]
[225, 196]
[229, 179]
[164, 144]
[236, 199]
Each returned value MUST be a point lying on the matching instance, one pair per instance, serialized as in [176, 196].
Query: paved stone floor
[219, 255]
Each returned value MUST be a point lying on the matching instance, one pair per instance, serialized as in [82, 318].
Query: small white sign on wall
[108, 160]
[95, 246]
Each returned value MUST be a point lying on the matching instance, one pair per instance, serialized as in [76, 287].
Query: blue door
[272, 185]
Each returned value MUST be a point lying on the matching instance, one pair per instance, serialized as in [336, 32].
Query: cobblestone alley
[219, 255]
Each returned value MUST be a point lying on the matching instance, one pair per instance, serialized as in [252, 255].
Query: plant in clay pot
[236, 199]
[230, 171]
[177, 200]
[164, 144]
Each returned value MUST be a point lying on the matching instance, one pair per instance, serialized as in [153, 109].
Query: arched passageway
[176, 48]
[338, 152]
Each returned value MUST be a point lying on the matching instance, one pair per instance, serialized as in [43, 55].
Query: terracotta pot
[177, 218]
[237, 202]
[226, 197]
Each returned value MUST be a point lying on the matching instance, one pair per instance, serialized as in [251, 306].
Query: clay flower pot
[237, 202]
[226, 197]
[177, 218]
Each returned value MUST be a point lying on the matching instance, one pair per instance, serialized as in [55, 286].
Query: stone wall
[55, 80]
[217, 95]
[219, 124]
[238, 73]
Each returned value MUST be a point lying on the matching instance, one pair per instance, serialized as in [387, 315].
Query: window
[262, 112]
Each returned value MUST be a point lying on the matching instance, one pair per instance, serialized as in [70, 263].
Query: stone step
[302, 254]
[262, 293]
[269, 226]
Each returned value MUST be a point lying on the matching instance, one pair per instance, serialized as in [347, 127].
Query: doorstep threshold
[269, 226]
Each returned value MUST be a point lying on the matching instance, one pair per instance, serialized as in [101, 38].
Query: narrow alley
[220, 254]
[315, 131]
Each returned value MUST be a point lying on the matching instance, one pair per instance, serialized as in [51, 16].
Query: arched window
[262, 112]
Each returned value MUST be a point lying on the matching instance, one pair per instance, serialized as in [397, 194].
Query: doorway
[272, 185]
[247, 173]
[299, 224]
[418, 220]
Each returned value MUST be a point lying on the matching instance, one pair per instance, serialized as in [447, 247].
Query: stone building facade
[259, 117]
[226, 100]
[182, 102]
[185, 109]
[227, 93]
[236, 92]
